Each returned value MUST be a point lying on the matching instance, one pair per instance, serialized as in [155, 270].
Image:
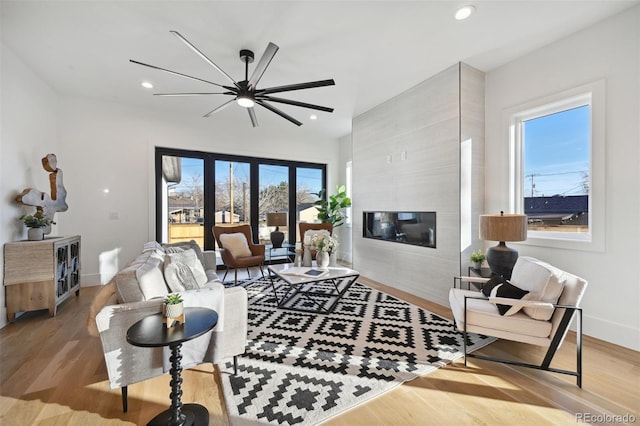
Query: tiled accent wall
[406, 156]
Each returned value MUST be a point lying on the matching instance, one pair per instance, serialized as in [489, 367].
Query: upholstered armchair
[304, 227]
[237, 249]
[536, 306]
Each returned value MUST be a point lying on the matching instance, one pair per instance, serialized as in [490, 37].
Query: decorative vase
[174, 311]
[35, 234]
[322, 259]
[306, 258]
[477, 265]
[333, 258]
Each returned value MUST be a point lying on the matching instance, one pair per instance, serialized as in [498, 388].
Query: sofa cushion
[236, 243]
[482, 313]
[185, 245]
[543, 281]
[151, 278]
[142, 279]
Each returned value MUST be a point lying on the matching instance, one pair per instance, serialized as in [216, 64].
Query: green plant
[477, 256]
[330, 211]
[173, 299]
[35, 221]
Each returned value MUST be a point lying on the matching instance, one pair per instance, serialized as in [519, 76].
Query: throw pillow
[543, 281]
[188, 257]
[494, 281]
[236, 243]
[509, 291]
[185, 245]
[179, 277]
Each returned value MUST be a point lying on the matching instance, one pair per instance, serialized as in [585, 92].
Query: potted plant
[331, 210]
[477, 257]
[173, 306]
[35, 223]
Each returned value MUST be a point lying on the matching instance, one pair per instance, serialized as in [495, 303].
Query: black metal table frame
[296, 288]
[178, 414]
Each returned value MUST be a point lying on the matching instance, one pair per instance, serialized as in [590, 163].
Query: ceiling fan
[245, 92]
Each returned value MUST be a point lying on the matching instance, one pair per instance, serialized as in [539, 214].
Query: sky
[556, 153]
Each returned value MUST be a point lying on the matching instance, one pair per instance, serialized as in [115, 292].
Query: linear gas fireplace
[417, 228]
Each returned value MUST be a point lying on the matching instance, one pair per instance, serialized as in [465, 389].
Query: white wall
[29, 131]
[609, 50]
[344, 232]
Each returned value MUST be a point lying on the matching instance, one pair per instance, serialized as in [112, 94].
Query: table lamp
[277, 220]
[502, 227]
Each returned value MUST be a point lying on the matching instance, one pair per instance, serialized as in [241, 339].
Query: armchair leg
[125, 406]
[235, 365]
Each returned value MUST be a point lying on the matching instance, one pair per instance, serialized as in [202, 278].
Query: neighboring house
[558, 210]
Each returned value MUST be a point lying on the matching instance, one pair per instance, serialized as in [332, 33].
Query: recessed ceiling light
[464, 12]
[313, 117]
[147, 85]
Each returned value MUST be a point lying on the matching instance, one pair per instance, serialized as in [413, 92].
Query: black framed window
[196, 190]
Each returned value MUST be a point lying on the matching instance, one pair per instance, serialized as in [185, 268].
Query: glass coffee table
[311, 289]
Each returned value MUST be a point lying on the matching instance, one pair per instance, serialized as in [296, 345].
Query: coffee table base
[195, 414]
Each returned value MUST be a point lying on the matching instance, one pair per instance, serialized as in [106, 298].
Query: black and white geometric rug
[303, 368]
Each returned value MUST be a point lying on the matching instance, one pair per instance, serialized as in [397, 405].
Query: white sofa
[138, 290]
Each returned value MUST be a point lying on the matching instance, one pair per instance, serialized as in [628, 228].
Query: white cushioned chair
[541, 318]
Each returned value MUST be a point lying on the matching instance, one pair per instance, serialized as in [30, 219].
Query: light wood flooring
[52, 373]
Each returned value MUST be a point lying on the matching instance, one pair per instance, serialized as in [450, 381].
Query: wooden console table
[41, 274]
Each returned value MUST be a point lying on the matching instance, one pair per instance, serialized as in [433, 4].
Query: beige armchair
[237, 249]
[538, 312]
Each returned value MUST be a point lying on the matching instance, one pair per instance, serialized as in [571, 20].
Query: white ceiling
[373, 50]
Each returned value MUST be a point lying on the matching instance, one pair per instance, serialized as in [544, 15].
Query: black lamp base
[501, 259]
[277, 238]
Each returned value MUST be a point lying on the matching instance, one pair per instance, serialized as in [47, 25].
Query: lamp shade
[277, 219]
[503, 227]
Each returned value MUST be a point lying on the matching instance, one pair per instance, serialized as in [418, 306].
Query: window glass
[308, 184]
[556, 170]
[183, 199]
[273, 197]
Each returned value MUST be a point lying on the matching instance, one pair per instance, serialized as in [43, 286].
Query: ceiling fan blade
[220, 108]
[176, 73]
[277, 111]
[265, 60]
[193, 94]
[252, 116]
[299, 86]
[295, 103]
[203, 56]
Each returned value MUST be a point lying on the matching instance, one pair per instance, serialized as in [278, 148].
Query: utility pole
[244, 201]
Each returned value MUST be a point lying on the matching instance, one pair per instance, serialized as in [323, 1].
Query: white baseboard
[611, 331]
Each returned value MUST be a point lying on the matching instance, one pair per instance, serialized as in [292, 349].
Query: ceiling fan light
[245, 102]
[464, 12]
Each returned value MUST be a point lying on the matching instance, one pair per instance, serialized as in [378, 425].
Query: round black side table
[152, 332]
